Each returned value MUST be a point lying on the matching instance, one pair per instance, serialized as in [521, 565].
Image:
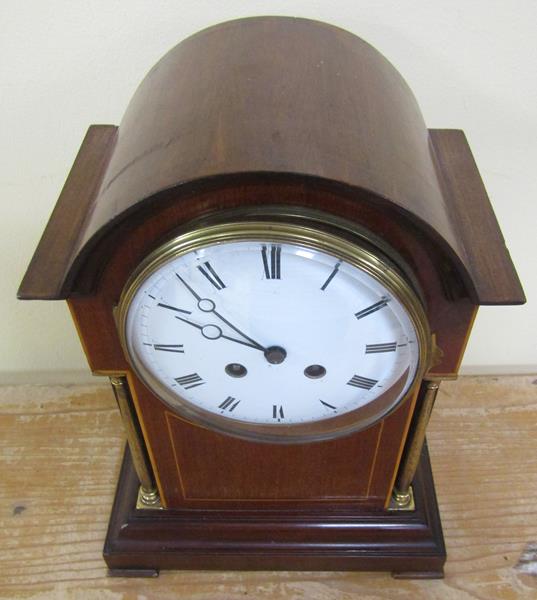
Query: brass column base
[148, 498]
[403, 500]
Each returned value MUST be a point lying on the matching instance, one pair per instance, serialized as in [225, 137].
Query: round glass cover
[271, 340]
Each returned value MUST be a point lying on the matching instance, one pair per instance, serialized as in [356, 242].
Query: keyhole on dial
[236, 370]
[315, 371]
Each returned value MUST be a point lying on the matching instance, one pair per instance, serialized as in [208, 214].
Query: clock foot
[407, 543]
[418, 574]
[133, 573]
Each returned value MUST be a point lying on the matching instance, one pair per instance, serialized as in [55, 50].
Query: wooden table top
[60, 451]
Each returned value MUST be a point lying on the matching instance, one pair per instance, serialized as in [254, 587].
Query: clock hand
[253, 343]
[274, 355]
[213, 332]
[207, 305]
[181, 310]
[197, 296]
[190, 322]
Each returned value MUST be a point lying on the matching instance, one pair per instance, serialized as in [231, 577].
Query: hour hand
[189, 322]
[213, 332]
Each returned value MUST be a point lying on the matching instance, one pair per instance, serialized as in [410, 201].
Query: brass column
[148, 492]
[402, 495]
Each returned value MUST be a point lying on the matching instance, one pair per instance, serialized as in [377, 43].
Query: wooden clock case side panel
[48, 272]
[488, 261]
[109, 266]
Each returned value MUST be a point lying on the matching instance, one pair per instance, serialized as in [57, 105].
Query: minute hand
[207, 305]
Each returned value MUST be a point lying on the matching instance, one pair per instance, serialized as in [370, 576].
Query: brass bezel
[272, 231]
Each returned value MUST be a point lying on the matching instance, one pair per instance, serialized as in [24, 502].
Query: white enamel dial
[274, 334]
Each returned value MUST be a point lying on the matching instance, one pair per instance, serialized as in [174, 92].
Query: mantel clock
[276, 263]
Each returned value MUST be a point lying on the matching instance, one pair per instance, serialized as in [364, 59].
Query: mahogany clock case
[265, 115]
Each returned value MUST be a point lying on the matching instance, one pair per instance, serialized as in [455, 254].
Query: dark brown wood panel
[49, 268]
[327, 537]
[274, 95]
[198, 467]
[245, 471]
[489, 262]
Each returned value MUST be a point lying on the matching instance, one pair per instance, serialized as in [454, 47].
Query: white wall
[65, 64]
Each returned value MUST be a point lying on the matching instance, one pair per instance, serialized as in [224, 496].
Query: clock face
[260, 338]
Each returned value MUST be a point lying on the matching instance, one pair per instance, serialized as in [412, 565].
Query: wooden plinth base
[409, 544]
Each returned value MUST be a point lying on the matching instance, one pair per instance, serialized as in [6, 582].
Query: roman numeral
[327, 405]
[190, 381]
[169, 348]
[277, 412]
[362, 382]
[180, 310]
[371, 309]
[331, 276]
[212, 276]
[377, 348]
[229, 404]
[272, 266]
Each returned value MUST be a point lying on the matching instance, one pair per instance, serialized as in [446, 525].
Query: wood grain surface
[60, 451]
[268, 100]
